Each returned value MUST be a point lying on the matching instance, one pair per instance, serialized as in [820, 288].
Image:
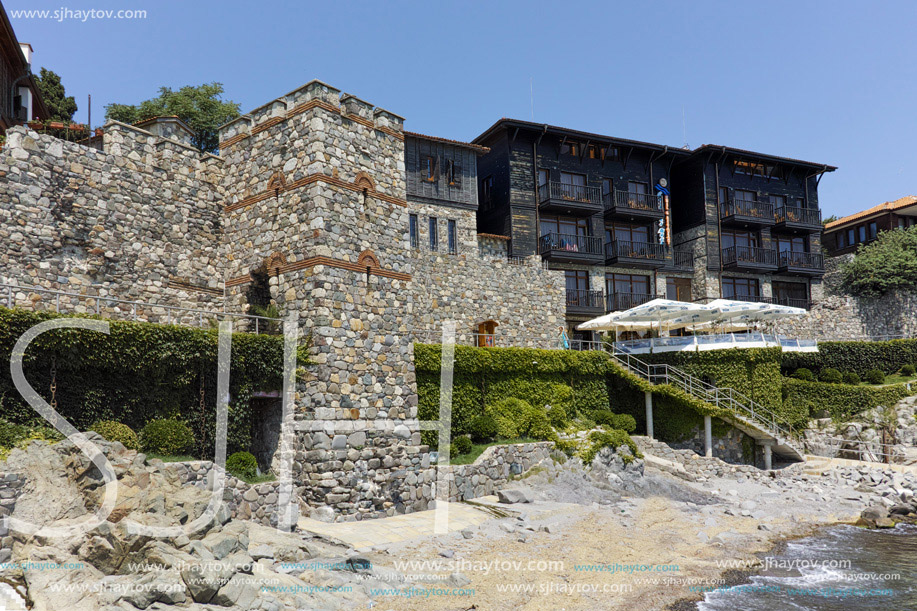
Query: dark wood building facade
[753, 222]
[629, 221]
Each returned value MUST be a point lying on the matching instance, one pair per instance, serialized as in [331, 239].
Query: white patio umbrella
[650, 314]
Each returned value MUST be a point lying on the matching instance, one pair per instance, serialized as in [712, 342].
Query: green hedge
[859, 357]
[137, 373]
[840, 401]
[754, 372]
[569, 379]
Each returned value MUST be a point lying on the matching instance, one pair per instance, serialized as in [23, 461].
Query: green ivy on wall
[839, 401]
[754, 372]
[858, 357]
[137, 373]
[484, 376]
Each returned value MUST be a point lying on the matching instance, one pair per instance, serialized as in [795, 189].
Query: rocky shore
[624, 533]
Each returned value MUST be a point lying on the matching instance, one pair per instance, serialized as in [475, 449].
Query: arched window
[484, 334]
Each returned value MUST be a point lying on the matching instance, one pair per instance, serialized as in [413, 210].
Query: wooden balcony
[749, 259]
[747, 214]
[623, 205]
[618, 302]
[574, 200]
[798, 220]
[635, 254]
[581, 301]
[568, 248]
[801, 263]
[682, 259]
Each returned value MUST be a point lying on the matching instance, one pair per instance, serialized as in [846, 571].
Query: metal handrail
[568, 242]
[633, 201]
[585, 298]
[749, 254]
[569, 192]
[834, 444]
[796, 258]
[99, 300]
[752, 209]
[724, 398]
[634, 250]
[794, 214]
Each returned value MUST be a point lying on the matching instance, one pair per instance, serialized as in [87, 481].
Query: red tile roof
[904, 202]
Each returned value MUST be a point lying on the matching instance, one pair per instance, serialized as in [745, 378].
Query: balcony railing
[804, 260]
[572, 193]
[625, 301]
[634, 250]
[749, 255]
[584, 244]
[683, 259]
[646, 202]
[748, 209]
[585, 299]
[800, 216]
[794, 302]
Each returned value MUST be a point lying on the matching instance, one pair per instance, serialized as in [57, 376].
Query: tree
[889, 263]
[60, 105]
[200, 107]
[829, 219]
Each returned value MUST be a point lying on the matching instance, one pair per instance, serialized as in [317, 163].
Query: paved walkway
[369, 533]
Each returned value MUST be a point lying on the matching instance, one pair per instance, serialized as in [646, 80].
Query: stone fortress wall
[308, 202]
[138, 220]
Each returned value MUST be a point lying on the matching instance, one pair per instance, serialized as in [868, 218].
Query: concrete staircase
[748, 416]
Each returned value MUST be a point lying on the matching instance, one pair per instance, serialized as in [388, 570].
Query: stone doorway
[267, 417]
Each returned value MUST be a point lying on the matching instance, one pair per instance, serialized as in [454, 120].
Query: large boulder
[514, 495]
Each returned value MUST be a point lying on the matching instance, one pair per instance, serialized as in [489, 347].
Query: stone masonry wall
[138, 220]
[10, 489]
[840, 316]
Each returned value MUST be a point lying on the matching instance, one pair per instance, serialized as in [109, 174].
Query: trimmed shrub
[908, 370]
[115, 431]
[167, 436]
[851, 378]
[875, 376]
[557, 416]
[624, 422]
[603, 416]
[461, 445]
[243, 465]
[483, 429]
[830, 376]
[889, 356]
[540, 428]
[804, 374]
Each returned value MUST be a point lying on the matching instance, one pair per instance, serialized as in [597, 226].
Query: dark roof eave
[477, 148]
[504, 122]
[764, 156]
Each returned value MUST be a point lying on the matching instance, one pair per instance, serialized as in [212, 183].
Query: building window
[678, 289]
[749, 168]
[792, 244]
[429, 169]
[862, 232]
[452, 237]
[434, 234]
[577, 280]
[851, 237]
[741, 288]
[412, 225]
[626, 290]
[794, 294]
[626, 232]
[564, 225]
[487, 191]
[723, 194]
[455, 173]
[569, 148]
[607, 187]
[841, 239]
[544, 176]
[778, 201]
[745, 196]
[873, 230]
[732, 238]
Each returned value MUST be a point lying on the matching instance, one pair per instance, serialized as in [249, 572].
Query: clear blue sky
[832, 82]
